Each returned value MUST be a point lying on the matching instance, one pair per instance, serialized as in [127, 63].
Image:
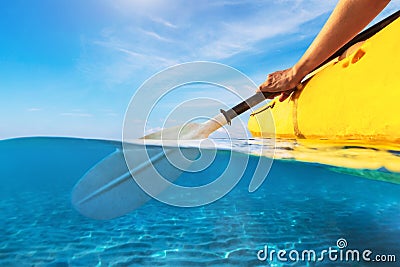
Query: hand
[281, 83]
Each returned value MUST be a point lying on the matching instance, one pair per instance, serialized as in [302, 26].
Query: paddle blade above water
[190, 130]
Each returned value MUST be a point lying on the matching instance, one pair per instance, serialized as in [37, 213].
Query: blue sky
[70, 68]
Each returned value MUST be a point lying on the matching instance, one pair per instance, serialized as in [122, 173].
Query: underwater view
[299, 207]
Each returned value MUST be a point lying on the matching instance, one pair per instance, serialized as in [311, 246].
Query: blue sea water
[299, 207]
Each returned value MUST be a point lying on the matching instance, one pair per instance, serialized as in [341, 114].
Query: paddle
[108, 190]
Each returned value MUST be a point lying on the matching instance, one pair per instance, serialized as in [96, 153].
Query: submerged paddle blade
[108, 190]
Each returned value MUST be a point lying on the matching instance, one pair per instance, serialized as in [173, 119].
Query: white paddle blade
[190, 130]
[108, 190]
[181, 132]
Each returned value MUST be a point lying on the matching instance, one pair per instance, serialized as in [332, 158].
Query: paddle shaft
[245, 105]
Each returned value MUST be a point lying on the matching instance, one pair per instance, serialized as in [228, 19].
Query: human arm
[347, 19]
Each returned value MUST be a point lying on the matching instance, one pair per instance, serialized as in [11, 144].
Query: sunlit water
[300, 206]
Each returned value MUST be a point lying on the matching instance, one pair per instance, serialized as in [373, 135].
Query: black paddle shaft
[259, 97]
[245, 105]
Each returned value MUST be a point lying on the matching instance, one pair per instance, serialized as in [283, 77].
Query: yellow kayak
[353, 97]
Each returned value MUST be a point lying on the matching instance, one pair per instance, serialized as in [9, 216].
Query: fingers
[260, 88]
[285, 95]
[277, 81]
[273, 95]
[281, 83]
[282, 95]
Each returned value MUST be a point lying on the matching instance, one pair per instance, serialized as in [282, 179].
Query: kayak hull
[357, 97]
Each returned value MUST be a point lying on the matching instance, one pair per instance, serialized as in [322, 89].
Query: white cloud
[163, 22]
[76, 114]
[139, 6]
[156, 36]
[202, 31]
[241, 35]
[33, 109]
[129, 52]
[115, 60]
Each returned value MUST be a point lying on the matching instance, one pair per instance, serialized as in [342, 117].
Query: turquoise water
[300, 206]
